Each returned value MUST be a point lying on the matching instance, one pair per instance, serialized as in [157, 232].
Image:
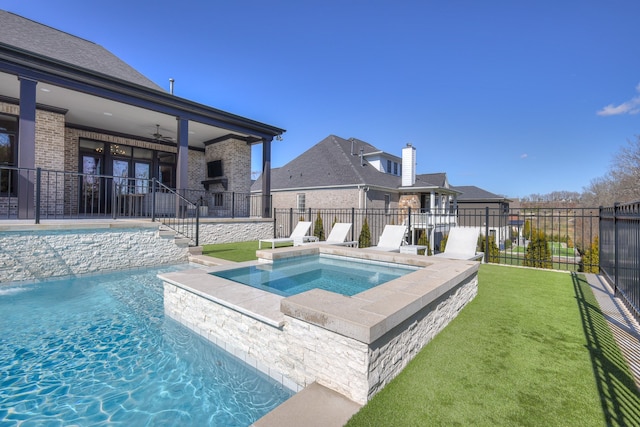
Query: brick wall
[236, 163]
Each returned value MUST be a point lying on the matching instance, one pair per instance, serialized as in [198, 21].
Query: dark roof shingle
[40, 39]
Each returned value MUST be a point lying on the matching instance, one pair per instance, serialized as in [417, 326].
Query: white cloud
[631, 106]
[524, 156]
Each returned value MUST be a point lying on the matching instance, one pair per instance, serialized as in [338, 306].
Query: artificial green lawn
[238, 252]
[532, 349]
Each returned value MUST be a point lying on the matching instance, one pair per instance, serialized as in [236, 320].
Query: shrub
[494, 251]
[424, 241]
[443, 242]
[538, 253]
[590, 262]
[364, 241]
[318, 228]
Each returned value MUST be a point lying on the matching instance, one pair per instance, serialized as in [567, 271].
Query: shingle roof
[40, 39]
[330, 163]
[431, 180]
[471, 192]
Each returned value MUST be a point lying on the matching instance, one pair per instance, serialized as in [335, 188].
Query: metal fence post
[275, 223]
[409, 225]
[353, 224]
[153, 199]
[233, 204]
[486, 234]
[616, 272]
[198, 204]
[600, 230]
[38, 187]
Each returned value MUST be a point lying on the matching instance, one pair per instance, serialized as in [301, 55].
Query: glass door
[91, 191]
[121, 176]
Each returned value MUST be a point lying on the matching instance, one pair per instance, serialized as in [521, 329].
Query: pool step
[167, 233]
[314, 406]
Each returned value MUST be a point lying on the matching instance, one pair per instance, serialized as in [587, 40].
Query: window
[387, 203]
[388, 166]
[395, 168]
[300, 202]
[8, 152]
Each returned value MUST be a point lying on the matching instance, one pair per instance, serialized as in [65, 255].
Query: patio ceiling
[92, 111]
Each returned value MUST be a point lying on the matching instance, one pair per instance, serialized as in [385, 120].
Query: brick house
[69, 105]
[344, 173]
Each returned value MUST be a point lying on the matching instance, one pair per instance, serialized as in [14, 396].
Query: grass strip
[238, 251]
[531, 349]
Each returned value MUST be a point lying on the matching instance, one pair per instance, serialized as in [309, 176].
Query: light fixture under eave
[278, 137]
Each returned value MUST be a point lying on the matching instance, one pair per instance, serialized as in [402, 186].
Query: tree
[526, 229]
[318, 228]
[364, 241]
[538, 253]
[626, 172]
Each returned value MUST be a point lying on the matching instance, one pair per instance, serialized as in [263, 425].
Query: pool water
[291, 276]
[99, 351]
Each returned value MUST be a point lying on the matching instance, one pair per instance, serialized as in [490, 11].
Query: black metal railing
[620, 252]
[557, 238]
[46, 194]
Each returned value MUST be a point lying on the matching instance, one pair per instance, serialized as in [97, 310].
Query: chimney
[171, 81]
[408, 166]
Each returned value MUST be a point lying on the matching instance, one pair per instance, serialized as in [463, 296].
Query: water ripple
[99, 351]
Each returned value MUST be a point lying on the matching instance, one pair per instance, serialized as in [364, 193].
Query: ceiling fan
[159, 137]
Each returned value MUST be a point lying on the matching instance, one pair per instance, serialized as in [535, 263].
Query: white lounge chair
[298, 236]
[461, 244]
[338, 235]
[391, 238]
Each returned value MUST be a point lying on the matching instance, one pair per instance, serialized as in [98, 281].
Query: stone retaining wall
[234, 230]
[43, 252]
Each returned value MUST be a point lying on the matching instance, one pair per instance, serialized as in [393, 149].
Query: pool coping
[365, 317]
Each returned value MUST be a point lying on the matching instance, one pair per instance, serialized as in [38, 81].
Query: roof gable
[332, 162]
[45, 41]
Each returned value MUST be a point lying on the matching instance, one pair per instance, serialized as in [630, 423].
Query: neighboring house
[344, 173]
[484, 210]
[67, 104]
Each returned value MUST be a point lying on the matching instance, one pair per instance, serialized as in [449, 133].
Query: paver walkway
[624, 327]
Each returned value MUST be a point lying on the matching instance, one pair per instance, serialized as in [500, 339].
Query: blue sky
[516, 97]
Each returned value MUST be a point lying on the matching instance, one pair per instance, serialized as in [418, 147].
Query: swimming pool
[99, 351]
[291, 276]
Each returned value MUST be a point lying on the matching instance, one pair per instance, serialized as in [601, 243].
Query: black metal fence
[620, 252]
[557, 238]
[46, 194]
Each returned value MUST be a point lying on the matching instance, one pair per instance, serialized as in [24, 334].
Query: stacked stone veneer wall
[299, 353]
[239, 230]
[35, 254]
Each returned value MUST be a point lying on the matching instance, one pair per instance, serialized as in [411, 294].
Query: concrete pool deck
[352, 346]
